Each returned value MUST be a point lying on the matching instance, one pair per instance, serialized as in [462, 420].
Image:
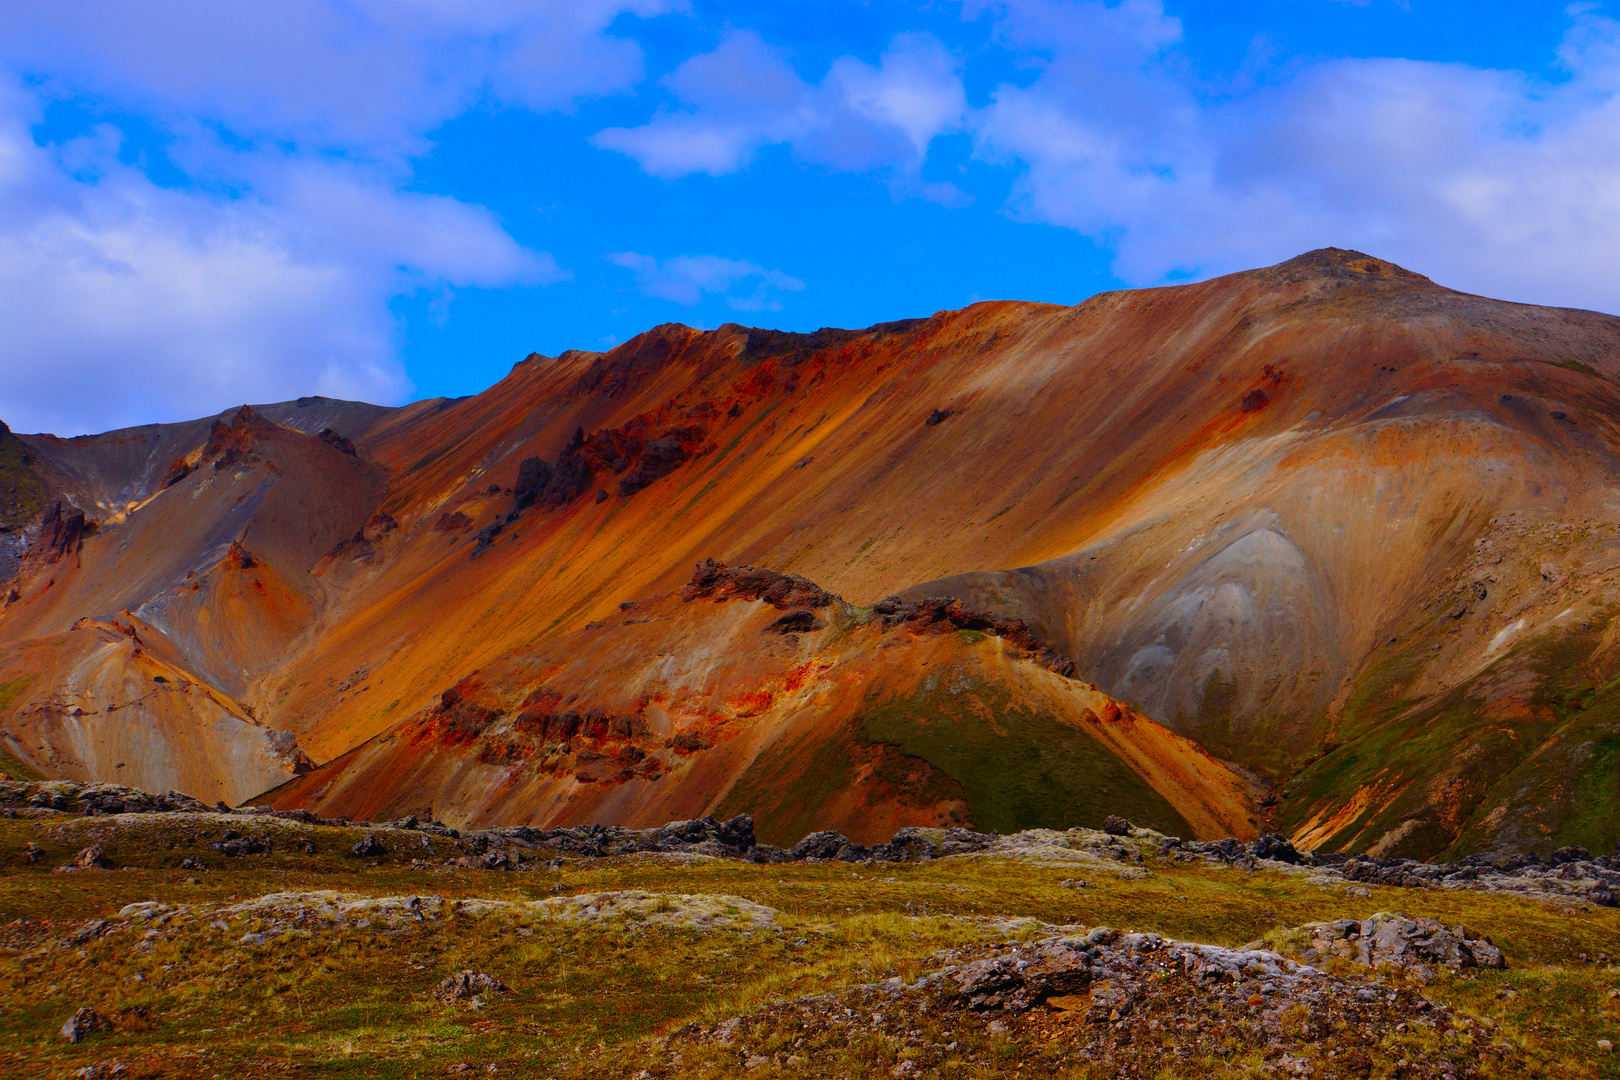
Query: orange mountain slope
[1347, 529]
[750, 692]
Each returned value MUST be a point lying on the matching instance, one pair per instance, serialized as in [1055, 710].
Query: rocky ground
[153, 936]
[1570, 874]
[1109, 1004]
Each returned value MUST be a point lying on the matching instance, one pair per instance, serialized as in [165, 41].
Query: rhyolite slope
[1345, 529]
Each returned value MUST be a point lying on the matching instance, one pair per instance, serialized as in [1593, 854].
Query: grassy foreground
[599, 998]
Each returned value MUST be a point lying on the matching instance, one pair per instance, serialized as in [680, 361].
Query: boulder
[828, 844]
[1275, 847]
[1024, 979]
[1116, 826]
[93, 857]
[801, 621]
[659, 458]
[533, 476]
[368, 846]
[1385, 939]
[336, 441]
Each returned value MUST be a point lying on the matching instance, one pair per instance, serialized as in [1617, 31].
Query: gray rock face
[1419, 944]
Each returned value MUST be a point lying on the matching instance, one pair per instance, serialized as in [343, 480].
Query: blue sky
[204, 203]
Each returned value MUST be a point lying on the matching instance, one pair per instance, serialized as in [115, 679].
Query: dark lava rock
[61, 531]
[1275, 847]
[1254, 401]
[236, 846]
[368, 846]
[178, 470]
[1022, 980]
[828, 845]
[721, 582]
[485, 539]
[946, 614]
[796, 622]
[569, 480]
[337, 442]
[1116, 826]
[938, 416]
[533, 476]
[659, 458]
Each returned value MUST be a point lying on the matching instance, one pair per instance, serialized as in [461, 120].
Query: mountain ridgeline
[1323, 548]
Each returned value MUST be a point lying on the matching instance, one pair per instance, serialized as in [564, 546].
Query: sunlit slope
[112, 700]
[1251, 508]
[219, 559]
[807, 717]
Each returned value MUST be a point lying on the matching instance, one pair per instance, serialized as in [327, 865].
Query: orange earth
[1325, 547]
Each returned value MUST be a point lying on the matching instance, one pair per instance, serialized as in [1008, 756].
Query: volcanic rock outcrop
[1344, 532]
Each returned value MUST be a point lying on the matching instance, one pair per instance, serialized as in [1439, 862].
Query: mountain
[1324, 547]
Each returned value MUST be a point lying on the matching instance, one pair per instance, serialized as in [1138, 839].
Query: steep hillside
[1347, 529]
[750, 692]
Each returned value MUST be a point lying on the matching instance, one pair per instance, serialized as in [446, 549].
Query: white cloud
[744, 96]
[126, 302]
[268, 271]
[1490, 181]
[372, 76]
[686, 278]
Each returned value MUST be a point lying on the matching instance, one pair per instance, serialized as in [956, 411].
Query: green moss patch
[1019, 769]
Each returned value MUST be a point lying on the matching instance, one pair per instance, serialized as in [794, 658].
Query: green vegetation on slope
[22, 492]
[1019, 769]
[1013, 767]
[1534, 770]
[10, 767]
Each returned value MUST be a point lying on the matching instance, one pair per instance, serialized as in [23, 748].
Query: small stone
[93, 857]
[1605, 1045]
[84, 1022]
[465, 984]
